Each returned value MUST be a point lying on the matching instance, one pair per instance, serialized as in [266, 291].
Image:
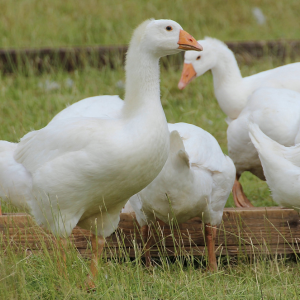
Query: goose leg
[98, 243]
[210, 240]
[0, 210]
[239, 197]
[147, 239]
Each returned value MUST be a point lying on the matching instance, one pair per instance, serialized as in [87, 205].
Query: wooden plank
[243, 231]
[70, 58]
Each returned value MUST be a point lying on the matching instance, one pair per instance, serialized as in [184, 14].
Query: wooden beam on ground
[244, 231]
[71, 58]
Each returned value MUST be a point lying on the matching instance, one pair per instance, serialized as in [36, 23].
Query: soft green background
[35, 23]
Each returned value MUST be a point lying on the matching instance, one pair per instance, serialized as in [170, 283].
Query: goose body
[234, 94]
[82, 170]
[203, 152]
[281, 166]
[15, 180]
[277, 113]
[105, 106]
[231, 89]
[202, 186]
[195, 181]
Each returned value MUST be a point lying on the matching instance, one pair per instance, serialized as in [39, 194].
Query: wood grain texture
[244, 231]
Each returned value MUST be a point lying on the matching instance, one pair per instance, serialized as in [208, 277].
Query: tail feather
[262, 141]
[15, 181]
[264, 145]
[292, 154]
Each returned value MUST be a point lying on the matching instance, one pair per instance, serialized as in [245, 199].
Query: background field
[29, 101]
[32, 23]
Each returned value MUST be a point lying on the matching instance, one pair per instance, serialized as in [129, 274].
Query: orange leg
[98, 243]
[239, 197]
[210, 240]
[147, 239]
[0, 210]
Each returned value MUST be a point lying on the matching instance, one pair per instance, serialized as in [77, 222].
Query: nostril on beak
[190, 40]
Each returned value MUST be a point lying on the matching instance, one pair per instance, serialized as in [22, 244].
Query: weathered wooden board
[270, 230]
[70, 58]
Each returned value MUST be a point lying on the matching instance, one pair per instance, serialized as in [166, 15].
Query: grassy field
[29, 101]
[38, 277]
[35, 23]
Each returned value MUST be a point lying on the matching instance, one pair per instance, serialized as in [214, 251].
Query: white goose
[281, 167]
[81, 171]
[277, 113]
[233, 91]
[198, 186]
[197, 179]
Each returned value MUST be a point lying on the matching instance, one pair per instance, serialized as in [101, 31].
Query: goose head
[164, 37]
[196, 64]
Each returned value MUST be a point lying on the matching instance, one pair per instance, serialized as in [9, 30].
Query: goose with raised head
[81, 171]
[204, 191]
[281, 166]
[232, 90]
[195, 182]
[199, 187]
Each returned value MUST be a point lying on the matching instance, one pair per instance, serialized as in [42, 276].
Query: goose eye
[169, 28]
[198, 57]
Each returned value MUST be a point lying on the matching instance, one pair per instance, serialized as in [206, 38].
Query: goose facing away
[281, 166]
[195, 182]
[81, 171]
[277, 113]
[231, 89]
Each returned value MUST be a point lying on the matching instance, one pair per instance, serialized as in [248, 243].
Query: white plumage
[195, 181]
[281, 166]
[277, 113]
[82, 170]
[231, 89]
[200, 187]
[241, 98]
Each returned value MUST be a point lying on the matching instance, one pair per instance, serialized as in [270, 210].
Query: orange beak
[187, 75]
[188, 42]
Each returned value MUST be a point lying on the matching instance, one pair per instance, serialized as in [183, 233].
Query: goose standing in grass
[197, 176]
[81, 171]
[233, 91]
[198, 180]
[281, 166]
[195, 182]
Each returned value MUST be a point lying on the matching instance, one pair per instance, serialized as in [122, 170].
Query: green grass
[37, 277]
[36, 23]
[26, 105]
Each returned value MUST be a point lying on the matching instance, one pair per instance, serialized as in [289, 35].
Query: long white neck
[142, 83]
[144, 116]
[228, 83]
